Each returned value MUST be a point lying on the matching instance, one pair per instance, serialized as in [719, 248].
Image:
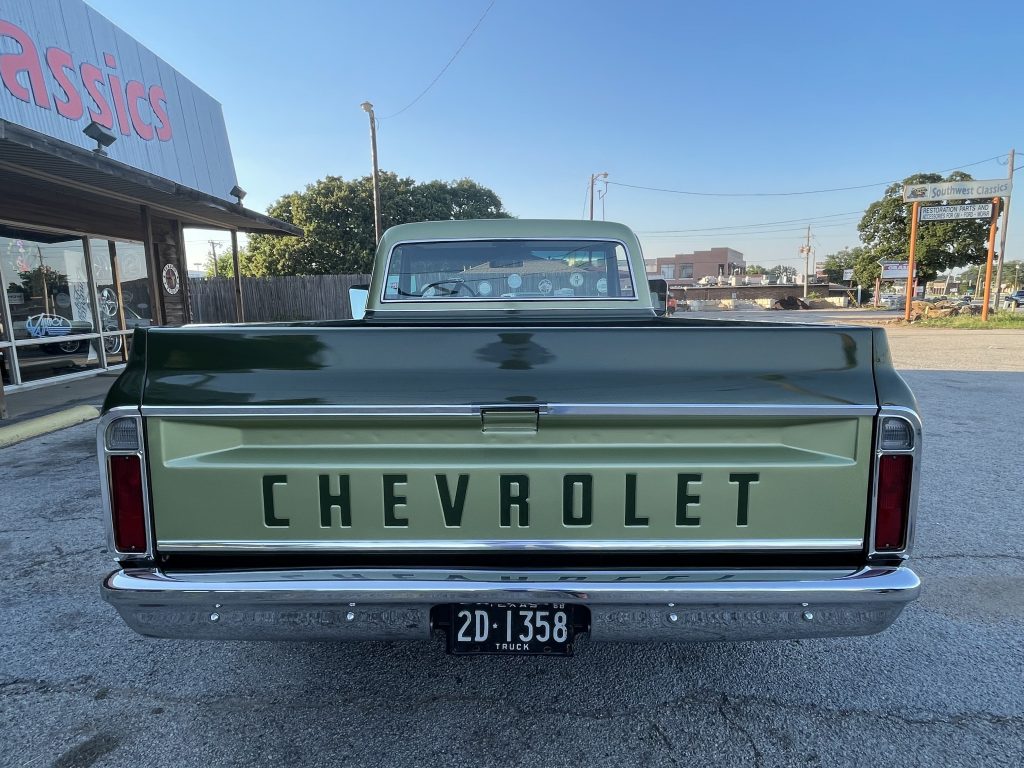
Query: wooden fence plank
[270, 299]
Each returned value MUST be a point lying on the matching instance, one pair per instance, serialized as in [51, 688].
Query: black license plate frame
[507, 626]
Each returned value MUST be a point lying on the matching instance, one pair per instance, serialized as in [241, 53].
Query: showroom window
[122, 293]
[69, 303]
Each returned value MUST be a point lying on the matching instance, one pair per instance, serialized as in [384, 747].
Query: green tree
[756, 269]
[942, 245]
[839, 262]
[224, 266]
[866, 268]
[1013, 274]
[782, 272]
[336, 217]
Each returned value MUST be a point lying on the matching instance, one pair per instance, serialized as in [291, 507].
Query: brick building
[689, 268]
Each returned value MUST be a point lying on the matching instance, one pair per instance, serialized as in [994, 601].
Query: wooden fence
[269, 299]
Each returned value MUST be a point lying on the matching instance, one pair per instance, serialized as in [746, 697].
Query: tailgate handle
[509, 420]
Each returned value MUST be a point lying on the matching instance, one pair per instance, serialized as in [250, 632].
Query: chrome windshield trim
[555, 409]
[498, 299]
[499, 545]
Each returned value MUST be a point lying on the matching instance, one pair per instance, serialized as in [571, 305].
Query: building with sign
[107, 154]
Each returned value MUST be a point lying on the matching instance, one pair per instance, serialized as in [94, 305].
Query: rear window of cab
[508, 270]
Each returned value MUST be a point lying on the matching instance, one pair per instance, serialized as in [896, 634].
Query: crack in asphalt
[20, 686]
[669, 744]
[758, 756]
[56, 558]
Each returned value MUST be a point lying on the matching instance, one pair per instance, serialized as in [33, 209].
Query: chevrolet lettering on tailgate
[514, 449]
[574, 498]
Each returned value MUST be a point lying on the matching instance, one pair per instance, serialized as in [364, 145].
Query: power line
[743, 226]
[789, 194]
[745, 233]
[445, 67]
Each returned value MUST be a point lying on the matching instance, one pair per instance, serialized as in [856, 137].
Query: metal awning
[34, 154]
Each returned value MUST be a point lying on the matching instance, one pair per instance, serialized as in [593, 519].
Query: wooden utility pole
[988, 260]
[378, 225]
[806, 251]
[911, 266]
[1002, 234]
[213, 250]
[593, 178]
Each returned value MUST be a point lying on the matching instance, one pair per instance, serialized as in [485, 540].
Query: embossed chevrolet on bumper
[620, 605]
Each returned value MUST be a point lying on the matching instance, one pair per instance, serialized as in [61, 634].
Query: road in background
[942, 687]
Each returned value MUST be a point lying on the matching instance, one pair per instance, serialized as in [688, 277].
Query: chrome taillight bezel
[909, 416]
[103, 454]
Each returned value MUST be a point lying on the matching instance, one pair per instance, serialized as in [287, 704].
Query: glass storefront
[70, 302]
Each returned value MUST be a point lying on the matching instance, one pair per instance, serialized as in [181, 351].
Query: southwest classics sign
[956, 190]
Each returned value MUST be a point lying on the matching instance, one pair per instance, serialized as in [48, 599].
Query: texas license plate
[512, 629]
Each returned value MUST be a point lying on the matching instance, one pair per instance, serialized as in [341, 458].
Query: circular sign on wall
[602, 285]
[545, 286]
[171, 279]
[514, 281]
[483, 288]
[576, 279]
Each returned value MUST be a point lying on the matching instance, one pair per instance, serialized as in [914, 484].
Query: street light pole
[594, 177]
[377, 222]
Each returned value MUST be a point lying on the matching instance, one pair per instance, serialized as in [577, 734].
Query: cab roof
[507, 228]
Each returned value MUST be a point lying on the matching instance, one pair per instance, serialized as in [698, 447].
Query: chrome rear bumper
[396, 605]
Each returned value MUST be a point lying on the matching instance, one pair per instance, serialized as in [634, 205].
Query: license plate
[512, 629]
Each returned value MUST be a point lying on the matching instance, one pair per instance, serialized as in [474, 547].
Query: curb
[42, 425]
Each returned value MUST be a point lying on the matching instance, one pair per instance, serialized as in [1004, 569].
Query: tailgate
[362, 438]
[683, 482]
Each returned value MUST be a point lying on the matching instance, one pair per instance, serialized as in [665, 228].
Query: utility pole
[213, 250]
[1002, 234]
[806, 251]
[377, 222]
[593, 178]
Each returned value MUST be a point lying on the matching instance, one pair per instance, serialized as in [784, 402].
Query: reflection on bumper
[379, 605]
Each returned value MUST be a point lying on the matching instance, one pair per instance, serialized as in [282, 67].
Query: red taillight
[126, 500]
[894, 483]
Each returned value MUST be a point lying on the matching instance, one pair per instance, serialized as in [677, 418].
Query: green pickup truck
[513, 449]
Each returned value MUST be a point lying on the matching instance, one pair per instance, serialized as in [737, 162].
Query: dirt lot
[944, 349]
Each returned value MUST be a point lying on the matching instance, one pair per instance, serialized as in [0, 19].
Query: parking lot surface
[943, 687]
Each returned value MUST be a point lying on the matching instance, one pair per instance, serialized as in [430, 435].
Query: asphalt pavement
[943, 687]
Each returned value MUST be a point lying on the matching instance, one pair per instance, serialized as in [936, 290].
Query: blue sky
[708, 97]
